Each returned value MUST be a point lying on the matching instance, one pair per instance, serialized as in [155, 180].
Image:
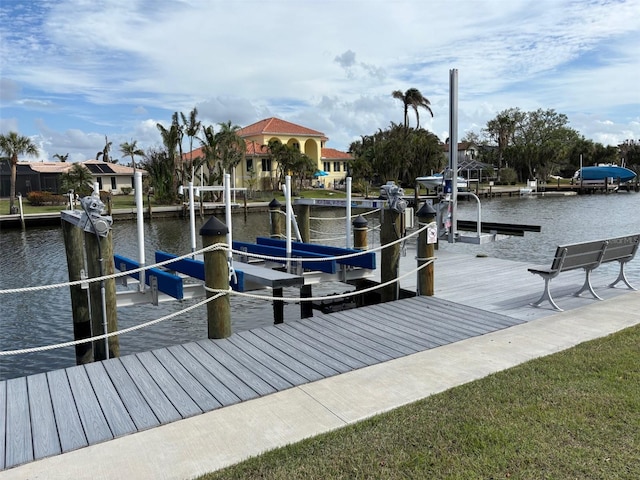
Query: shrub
[508, 176]
[126, 190]
[38, 199]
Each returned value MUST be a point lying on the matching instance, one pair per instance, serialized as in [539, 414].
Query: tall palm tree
[62, 158]
[231, 147]
[414, 99]
[12, 145]
[105, 151]
[191, 129]
[131, 150]
[171, 138]
[78, 179]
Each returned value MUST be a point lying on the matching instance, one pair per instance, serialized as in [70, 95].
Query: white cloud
[107, 68]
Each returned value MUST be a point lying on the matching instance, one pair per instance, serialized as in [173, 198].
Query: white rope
[344, 218]
[111, 334]
[429, 261]
[215, 246]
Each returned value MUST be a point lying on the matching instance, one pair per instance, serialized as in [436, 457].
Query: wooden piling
[74, 248]
[276, 219]
[97, 249]
[216, 276]
[360, 230]
[426, 215]
[390, 257]
[303, 215]
[278, 306]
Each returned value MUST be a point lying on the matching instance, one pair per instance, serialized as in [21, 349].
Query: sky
[75, 71]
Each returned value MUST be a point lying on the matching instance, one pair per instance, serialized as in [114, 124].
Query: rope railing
[217, 294]
[216, 246]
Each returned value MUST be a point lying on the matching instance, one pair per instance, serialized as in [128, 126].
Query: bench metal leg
[546, 295]
[622, 278]
[587, 286]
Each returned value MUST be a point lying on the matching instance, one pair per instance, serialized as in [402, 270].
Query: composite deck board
[317, 360]
[112, 405]
[43, 422]
[377, 350]
[187, 380]
[184, 404]
[383, 330]
[389, 341]
[226, 373]
[153, 395]
[283, 365]
[408, 334]
[253, 373]
[309, 343]
[100, 401]
[268, 359]
[70, 431]
[19, 443]
[94, 423]
[140, 411]
[217, 389]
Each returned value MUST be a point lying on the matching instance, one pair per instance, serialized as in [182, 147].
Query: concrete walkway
[211, 441]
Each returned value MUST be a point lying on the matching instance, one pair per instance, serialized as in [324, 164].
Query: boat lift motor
[91, 218]
[394, 195]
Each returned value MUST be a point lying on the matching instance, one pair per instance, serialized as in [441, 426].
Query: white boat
[436, 181]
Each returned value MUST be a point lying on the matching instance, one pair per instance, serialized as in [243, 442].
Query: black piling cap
[213, 227]
[274, 204]
[360, 222]
[426, 210]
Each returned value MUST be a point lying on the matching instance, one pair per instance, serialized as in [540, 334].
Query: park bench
[587, 256]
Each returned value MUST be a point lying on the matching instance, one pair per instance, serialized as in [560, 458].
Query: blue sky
[73, 71]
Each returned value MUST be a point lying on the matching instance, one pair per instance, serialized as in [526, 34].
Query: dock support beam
[360, 227]
[275, 219]
[216, 276]
[74, 249]
[426, 215]
[390, 261]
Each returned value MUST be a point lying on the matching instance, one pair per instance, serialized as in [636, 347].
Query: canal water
[36, 256]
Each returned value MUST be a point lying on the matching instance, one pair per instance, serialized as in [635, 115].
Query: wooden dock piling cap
[360, 222]
[274, 204]
[213, 227]
[426, 210]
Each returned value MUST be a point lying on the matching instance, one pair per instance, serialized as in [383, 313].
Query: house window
[113, 183]
[296, 145]
[326, 166]
[249, 164]
[336, 166]
[266, 164]
[99, 179]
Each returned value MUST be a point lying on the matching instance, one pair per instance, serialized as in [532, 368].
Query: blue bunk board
[366, 260]
[167, 282]
[327, 266]
[195, 268]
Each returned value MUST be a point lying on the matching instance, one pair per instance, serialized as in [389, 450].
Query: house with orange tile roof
[258, 171]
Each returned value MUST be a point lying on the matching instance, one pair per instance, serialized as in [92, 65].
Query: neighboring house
[467, 151]
[46, 176]
[259, 171]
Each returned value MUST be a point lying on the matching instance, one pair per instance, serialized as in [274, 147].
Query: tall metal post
[453, 151]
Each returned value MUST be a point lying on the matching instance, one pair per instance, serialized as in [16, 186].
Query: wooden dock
[63, 410]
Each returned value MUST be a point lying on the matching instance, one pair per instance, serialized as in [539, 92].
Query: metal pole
[192, 218]
[227, 215]
[287, 197]
[453, 150]
[348, 225]
[140, 224]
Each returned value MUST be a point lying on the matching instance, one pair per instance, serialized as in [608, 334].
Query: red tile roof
[333, 154]
[275, 126]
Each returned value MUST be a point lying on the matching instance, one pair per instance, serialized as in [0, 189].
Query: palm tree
[414, 99]
[105, 151]
[62, 158]
[12, 145]
[131, 150]
[191, 128]
[171, 138]
[78, 179]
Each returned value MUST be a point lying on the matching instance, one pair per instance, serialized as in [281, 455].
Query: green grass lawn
[572, 415]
